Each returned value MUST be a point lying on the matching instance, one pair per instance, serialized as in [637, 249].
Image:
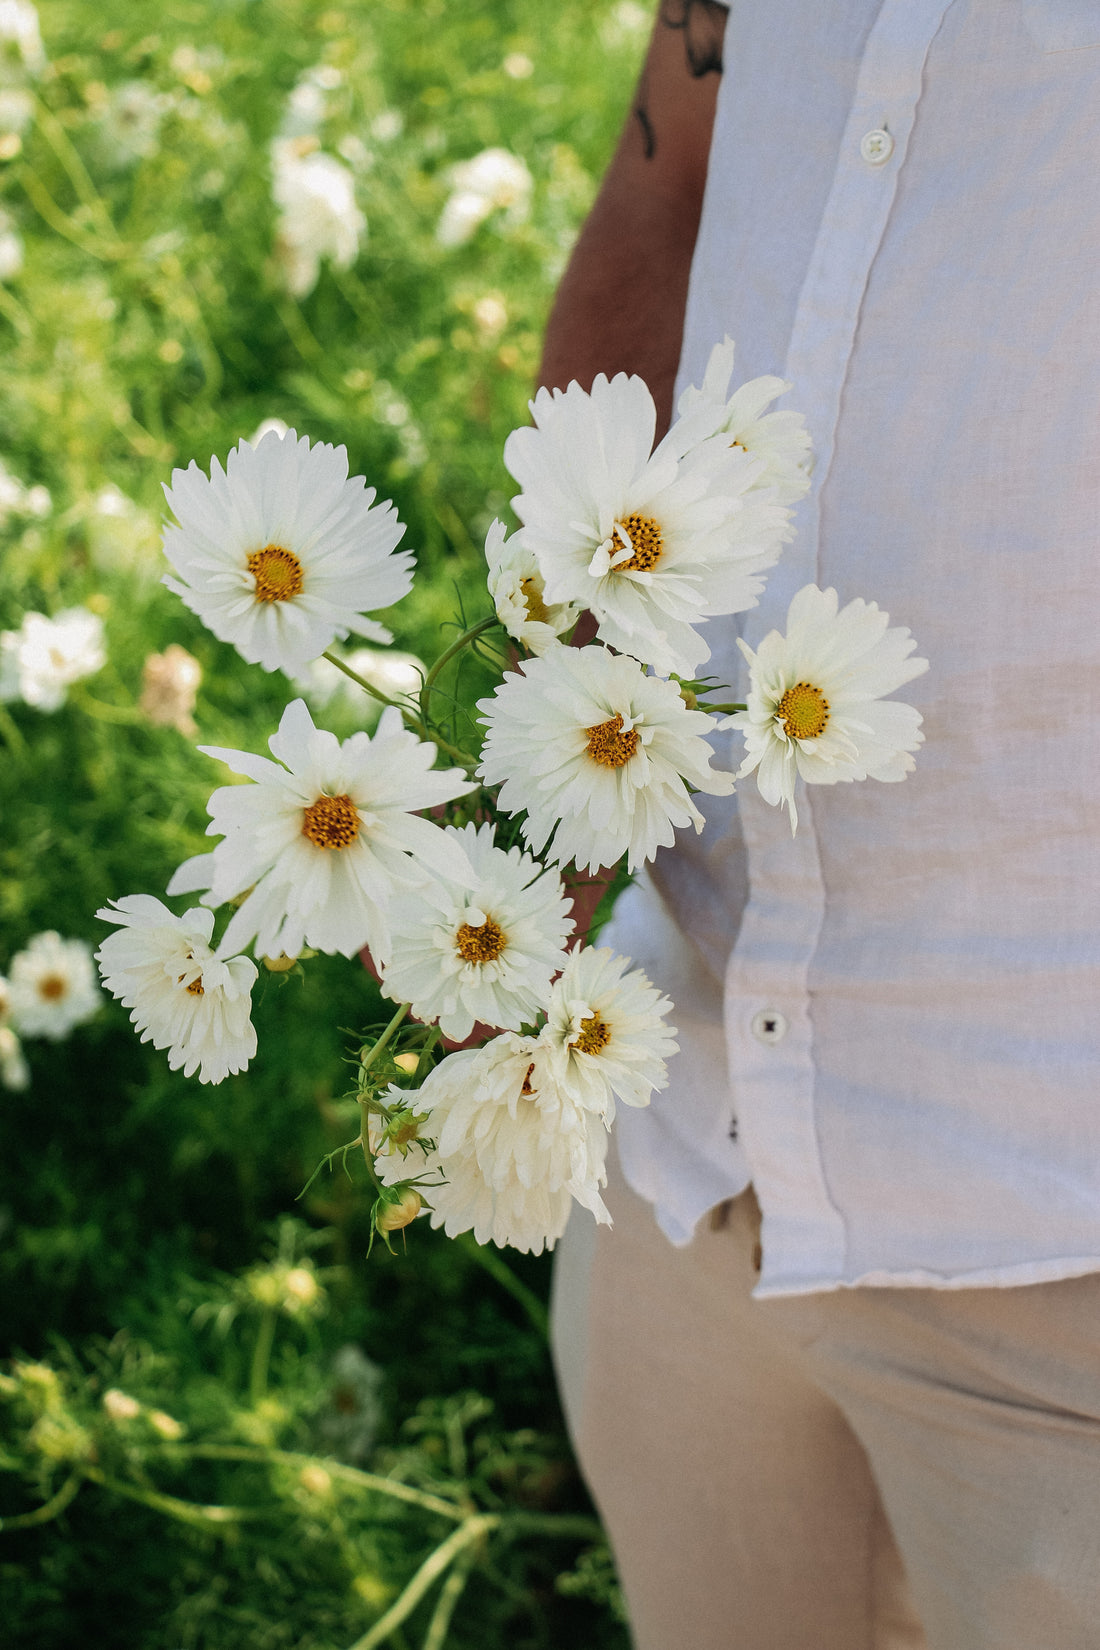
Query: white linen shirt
[891, 1023]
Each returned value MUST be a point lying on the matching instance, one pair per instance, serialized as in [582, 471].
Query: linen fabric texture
[890, 1023]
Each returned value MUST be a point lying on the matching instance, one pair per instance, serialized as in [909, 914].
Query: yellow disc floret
[646, 541]
[331, 822]
[277, 572]
[804, 711]
[609, 745]
[481, 944]
[594, 1035]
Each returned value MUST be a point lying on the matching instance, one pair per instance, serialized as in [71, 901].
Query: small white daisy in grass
[280, 553]
[651, 543]
[41, 660]
[15, 1073]
[815, 706]
[514, 1152]
[483, 948]
[780, 440]
[605, 1036]
[325, 837]
[599, 754]
[519, 591]
[52, 987]
[182, 996]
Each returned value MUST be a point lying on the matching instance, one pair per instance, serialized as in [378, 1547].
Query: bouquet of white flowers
[457, 878]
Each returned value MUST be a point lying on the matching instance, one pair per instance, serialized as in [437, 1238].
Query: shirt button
[769, 1026]
[876, 147]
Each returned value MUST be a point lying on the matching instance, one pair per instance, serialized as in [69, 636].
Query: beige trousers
[759, 1464]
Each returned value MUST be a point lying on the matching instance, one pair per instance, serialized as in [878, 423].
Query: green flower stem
[104, 712]
[336, 1469]
[720, 710]
[413, 723]
[431, 1569]
[361, 681]
[386, 1037]
[75, 170]
[10, 731]
[261, 1356]
[445, 658]
[187, 1512]
[49, 1510]
[449, 1595]
[498, 1269]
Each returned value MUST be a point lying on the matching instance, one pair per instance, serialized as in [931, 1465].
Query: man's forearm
[620, 306]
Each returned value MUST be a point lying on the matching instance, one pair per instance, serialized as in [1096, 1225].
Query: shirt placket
[768, 1012]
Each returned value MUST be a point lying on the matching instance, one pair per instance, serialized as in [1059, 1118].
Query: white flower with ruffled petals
[599, 754]
[183, 997]
[652, 543]
[41, 660]
[514, 1152]
[52, 987]
[484, 949]
[815, 705]
[780, 440]
[280, 553]
[519, 594]
[325, 837]
[605, 1036]
[318, 214]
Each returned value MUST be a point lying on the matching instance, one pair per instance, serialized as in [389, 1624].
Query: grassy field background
[188, 1340]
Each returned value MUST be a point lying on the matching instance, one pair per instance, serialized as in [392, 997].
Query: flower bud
[407, 1062]
[391, 1217]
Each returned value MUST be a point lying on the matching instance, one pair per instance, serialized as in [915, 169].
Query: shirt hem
[1017, 1276]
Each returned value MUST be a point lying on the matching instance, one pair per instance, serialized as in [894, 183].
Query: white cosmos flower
[318, 215]
[652, 543]
[815, 704]
[780, 439]
[52, 987]
[323, 839]
[599, 754]
[41, 660]
[518, 591]
[481, 949]
[14, 1072]
[183, 998]
[492, 180]
[280, 553]
[514, 1151]
[21, 49]
[605, 1036]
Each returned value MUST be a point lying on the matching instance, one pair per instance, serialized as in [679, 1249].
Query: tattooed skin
[702, 24]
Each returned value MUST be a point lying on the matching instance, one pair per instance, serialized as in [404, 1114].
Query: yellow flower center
[480, 945]
[526, 1092]
[537, 610]
[277, 572]
[195, 988]
[331, 822]
[51, 987]
[804, 711]
[609, 745]
[595, 1034]
[646, 541]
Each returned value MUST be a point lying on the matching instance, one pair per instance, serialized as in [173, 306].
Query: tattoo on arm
[702, 24]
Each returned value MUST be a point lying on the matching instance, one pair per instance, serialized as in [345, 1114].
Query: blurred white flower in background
[122, 537]
[21, 50]
[494, 180]
[52, 986]
[387, 126]
[349, 1423]
[169, 683]
[129, 123]
[318, 215]
[281, 552]
[268, 426]
[183, 998]
[518, 66]
[41, 660]
[11, 247]
[17, 500]
[16, 114]
[14, 1072]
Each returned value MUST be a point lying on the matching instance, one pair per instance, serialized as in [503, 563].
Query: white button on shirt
[876, 147]
[931, 1112]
